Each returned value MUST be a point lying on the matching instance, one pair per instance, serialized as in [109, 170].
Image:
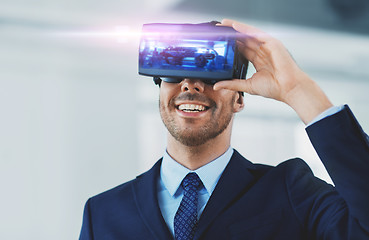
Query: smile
[192, 108]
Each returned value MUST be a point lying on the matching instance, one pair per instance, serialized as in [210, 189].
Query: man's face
[194, 113]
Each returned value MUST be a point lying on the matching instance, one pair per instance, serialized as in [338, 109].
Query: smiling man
[198, 120]
[204, 189]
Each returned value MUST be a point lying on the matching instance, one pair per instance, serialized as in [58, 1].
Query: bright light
[118, 34]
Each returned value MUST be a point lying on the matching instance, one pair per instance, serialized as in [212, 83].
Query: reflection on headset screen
[186, 54]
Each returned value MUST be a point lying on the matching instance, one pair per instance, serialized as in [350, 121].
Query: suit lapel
[235, 179]
[145, 193]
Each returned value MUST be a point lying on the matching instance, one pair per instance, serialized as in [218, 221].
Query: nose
[192, 85]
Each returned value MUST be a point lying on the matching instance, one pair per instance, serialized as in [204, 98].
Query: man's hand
[277, 74]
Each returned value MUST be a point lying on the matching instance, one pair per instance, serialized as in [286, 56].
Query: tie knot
[191, 181]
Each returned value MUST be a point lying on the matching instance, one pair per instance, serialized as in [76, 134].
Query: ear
[238, 103]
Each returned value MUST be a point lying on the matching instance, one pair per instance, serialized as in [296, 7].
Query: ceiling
[342, 15]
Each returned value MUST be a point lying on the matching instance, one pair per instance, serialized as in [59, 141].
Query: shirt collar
[172, 173]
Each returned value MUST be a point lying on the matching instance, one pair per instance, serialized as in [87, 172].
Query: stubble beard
[195, 137]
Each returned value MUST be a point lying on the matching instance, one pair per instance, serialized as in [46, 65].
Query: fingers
[249, 30]
[252, 43]
[227, 22]
[251, 51]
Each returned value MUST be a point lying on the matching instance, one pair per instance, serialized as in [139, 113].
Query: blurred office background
[76, 119]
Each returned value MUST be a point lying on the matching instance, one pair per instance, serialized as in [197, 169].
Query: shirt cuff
[330, 111]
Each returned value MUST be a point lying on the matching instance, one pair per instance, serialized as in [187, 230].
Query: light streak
[119, 34]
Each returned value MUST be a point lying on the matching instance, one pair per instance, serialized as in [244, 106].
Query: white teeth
[191, 108]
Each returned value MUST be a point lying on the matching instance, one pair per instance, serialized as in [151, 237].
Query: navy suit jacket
[255, 201]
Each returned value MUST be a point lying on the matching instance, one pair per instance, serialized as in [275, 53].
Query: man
[229, 197]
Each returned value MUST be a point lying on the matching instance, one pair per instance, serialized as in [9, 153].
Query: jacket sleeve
[86, 230]
[343, 147]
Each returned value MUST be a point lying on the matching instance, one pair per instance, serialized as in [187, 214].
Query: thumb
[238, 85]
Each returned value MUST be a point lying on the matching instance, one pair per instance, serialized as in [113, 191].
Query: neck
[194, 157]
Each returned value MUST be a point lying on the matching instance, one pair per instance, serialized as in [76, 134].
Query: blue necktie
[185, 220]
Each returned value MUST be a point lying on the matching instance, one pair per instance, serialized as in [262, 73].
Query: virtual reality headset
[172, 52]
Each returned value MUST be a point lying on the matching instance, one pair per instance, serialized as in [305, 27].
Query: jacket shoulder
[289, 168]
[120, 193]
[123, 193]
